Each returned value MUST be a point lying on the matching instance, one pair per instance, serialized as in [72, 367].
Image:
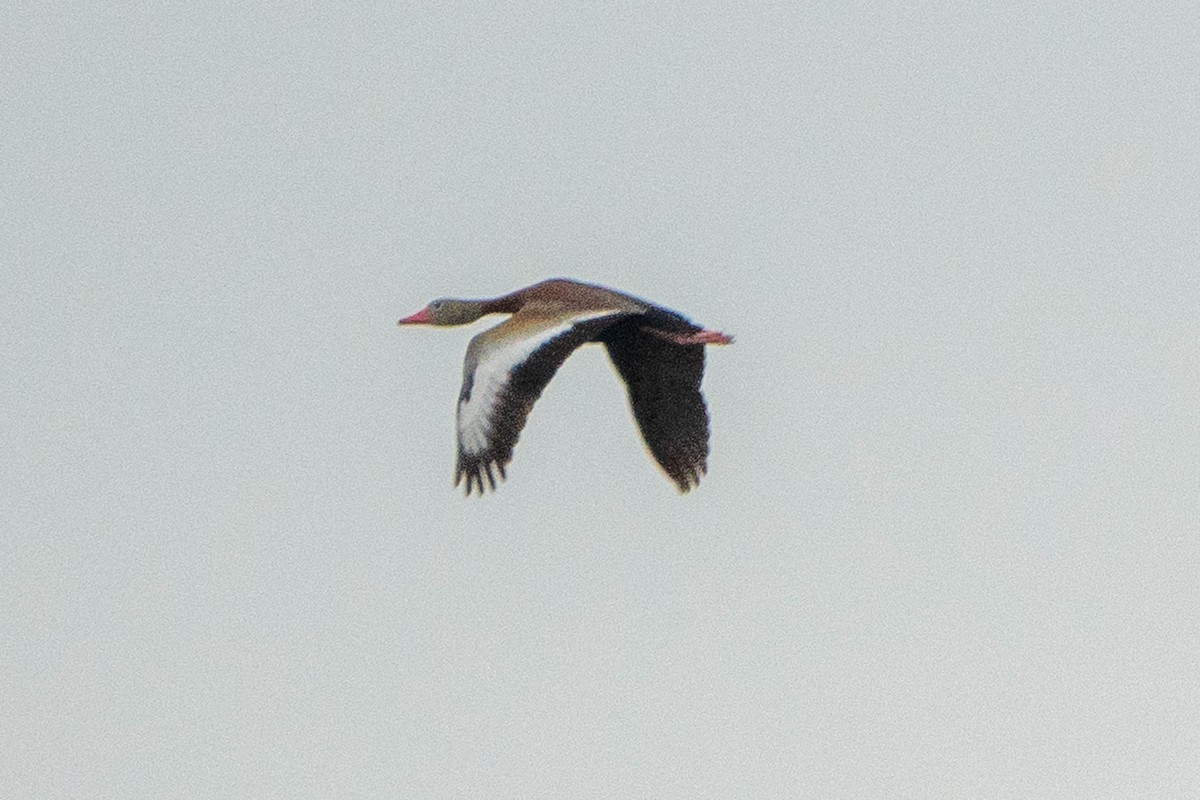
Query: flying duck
[658, 353]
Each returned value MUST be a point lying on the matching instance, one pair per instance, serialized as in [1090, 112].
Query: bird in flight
[658, 353]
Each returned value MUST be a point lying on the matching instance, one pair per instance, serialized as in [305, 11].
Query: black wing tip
[687, 477]
[480, 475]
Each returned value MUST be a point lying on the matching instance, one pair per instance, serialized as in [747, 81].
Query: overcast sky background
[949, 541]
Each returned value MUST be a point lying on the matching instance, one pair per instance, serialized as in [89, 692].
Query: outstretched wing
[505, 371]
[663, 380]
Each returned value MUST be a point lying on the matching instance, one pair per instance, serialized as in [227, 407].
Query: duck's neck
[508, 304]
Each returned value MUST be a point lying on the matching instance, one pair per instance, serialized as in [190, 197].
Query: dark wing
[506, 369]
[663, 380]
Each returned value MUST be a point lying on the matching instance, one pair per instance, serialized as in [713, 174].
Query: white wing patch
[493, 372]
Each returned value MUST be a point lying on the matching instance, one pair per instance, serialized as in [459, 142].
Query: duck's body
[657, 352]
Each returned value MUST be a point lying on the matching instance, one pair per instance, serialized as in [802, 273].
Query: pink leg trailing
[699, 337]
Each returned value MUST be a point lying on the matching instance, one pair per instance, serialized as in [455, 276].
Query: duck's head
[446, 311]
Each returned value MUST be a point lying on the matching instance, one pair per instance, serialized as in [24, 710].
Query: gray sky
[949, 541]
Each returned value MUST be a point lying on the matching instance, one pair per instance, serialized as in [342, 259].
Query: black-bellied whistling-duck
[658, 353]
